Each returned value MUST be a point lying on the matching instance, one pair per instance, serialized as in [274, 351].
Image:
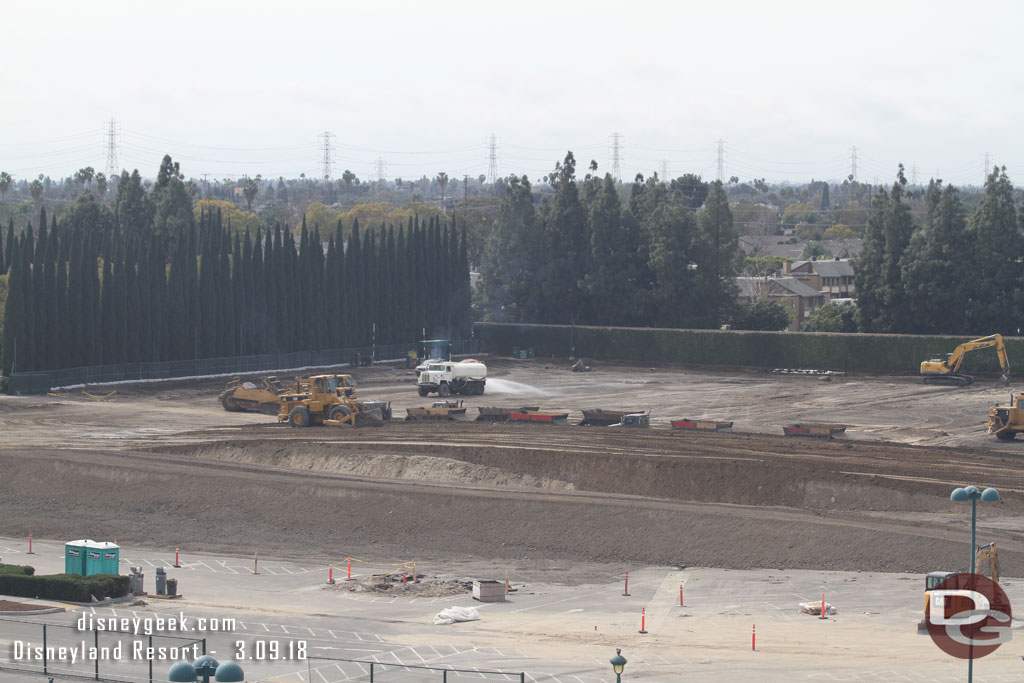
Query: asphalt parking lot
[548, 630]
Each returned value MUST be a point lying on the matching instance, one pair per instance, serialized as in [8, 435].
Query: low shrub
[71, 587]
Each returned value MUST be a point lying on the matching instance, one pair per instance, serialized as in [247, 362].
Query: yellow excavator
[947, 371]
[986, 563]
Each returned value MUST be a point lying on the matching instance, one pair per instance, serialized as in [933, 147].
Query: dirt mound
[422, 587]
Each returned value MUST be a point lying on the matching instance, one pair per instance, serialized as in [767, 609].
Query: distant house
[788, 291]
[775, 245]
[833, 279]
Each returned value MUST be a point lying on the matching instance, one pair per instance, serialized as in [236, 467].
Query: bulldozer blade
[369, 418]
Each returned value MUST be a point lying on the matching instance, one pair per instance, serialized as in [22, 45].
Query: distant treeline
[147, 282]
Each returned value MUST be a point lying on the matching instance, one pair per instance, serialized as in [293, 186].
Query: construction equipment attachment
[498, 414]
[241, 395]
[947, 371]
[438, 410]
[701, 425]
[825, 431]
[542, 417]
[634, 420]
[601, 417]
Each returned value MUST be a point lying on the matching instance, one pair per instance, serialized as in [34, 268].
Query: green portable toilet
[74, 557]
[111, 552]
[93, 558]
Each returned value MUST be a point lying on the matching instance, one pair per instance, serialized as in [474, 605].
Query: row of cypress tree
[89, 292]
[958, 271]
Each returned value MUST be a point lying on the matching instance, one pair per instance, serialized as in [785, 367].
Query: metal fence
[66, 651]
[41, 382]
[336, 670]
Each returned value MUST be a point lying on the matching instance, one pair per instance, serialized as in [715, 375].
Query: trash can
[136, 581]
[172, 586]
[161, 581]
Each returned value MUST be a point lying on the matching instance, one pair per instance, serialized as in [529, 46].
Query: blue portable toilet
[74, 557]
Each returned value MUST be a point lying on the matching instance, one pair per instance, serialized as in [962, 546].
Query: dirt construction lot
[164, 465]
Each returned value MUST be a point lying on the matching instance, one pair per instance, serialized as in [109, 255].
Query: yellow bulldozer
[241, 395]
[1006, 421]
[947, 371]
[329, 400]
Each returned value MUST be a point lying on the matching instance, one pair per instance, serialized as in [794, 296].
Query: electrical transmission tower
[616, 148]
[664, 170]
[853, 162]
[492, 161]
[720, 146]
[986, 169]
[326, 138]
[380, 168]
[112, 165]
[913, 175]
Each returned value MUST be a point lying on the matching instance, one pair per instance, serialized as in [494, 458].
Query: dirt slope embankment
[166, 500]
[340, 458]
[740, 469]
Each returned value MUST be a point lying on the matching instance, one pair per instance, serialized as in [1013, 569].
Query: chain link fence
[336, 670]
[42, 382]
[66, 651]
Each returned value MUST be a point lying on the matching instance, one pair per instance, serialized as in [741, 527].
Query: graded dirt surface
[164, 465]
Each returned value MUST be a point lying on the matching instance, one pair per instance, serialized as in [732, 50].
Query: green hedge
[882, 352]
[64, 586]
[17, 569]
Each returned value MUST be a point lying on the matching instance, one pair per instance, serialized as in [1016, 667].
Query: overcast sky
[235, 88]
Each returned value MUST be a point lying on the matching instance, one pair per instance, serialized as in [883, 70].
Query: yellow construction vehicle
[939, 371]
[986, 563]
[1006, 421]
[241, 395]
[329, 400]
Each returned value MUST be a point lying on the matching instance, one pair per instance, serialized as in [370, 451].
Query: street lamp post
[973, 494]
[207, 667]
[618, 664]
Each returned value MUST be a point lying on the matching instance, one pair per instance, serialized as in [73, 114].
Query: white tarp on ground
[815, 608]
[450, 615]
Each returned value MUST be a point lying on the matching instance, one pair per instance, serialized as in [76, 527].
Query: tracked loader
[986, 563]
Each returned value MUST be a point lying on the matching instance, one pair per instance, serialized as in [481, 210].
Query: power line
[853, 163]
